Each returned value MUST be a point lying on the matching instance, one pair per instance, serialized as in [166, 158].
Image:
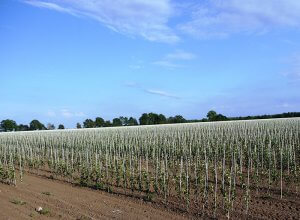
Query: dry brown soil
[69, 202]
[66, 201]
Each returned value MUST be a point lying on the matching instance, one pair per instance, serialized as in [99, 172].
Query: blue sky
[62, 61]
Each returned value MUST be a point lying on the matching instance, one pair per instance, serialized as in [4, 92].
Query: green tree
[9, 125]
[161, 119]
[107, 123]
[61, 126]
[116, 122]
[221, 117]
[36, 125]
[211, 115]
[99, 122]
[132, 121]
[152, 118]
[144, 119]
[176, 119]
[156, 119]
[78, 125]
[22, 127]
[124, 120]
[89, 123]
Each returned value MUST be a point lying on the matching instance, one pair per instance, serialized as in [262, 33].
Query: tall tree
[36, 125]
[61, 126]
[161, 119]
[107, 123]
[99, 122]
[152, 118]
[78, 125]
[144, 119]
[124, 120]
[176, 119]
[9, 125]
[156, 119]
[89, 123]
[132, 121]
[221, 117]
[211, 115]
[116, 122]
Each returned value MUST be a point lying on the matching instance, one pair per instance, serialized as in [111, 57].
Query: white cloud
[52, 6]
[65, 113]
[285, 105]
[68, 114]
[161, 93]
[151, 91]
[171, 60]
[148, 19]
[220, 18]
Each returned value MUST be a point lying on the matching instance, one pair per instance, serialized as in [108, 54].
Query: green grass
[44, 211]
[18, 202]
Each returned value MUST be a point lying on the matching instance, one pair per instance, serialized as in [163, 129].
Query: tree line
[145, 119]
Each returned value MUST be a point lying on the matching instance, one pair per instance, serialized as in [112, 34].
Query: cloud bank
[148, 19]
[222, 18]
[202, 19]
[158, 92]
[66, 113]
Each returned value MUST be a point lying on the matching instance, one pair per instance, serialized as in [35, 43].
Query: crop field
[201, 170]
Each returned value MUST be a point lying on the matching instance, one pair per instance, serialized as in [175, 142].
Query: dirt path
[68, 202]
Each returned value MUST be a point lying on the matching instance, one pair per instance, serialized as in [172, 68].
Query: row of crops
[203, 165]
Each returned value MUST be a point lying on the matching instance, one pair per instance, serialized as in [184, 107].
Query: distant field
[200, 170]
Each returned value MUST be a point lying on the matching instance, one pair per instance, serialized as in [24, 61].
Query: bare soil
[66, 201]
